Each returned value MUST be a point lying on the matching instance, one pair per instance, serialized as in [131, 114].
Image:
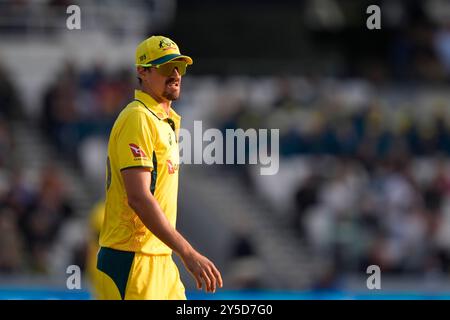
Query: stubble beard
[171, 96]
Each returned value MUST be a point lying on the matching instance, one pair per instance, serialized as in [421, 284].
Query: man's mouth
[174, 83]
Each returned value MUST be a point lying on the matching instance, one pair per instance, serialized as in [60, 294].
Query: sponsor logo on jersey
[171, 168]
[137, 151]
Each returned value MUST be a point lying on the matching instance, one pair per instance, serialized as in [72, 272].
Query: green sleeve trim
[130, 167]
[154, 174]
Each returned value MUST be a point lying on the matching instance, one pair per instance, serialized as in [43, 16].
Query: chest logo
[171, 168]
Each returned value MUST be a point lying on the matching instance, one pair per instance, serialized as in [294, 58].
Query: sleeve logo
[137, 151]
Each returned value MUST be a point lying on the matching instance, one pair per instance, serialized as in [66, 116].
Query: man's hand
[203, 271]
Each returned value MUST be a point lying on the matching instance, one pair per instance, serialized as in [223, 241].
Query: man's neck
[163, 102]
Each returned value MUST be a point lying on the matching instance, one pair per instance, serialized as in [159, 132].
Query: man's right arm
[140, 199]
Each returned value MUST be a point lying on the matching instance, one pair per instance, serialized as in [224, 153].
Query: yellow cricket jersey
[142, 136]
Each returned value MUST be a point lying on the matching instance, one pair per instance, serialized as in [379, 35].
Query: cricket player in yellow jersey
[138, 233]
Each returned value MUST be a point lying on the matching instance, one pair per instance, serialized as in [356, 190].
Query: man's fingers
[214, 276]
[213, 279]
[198, 279]
[218, 276]
[207, 280]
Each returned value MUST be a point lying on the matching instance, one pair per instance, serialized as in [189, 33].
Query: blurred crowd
[394, 215]
[79, 104]
[371, 171]
[33, 203]
[31, 216]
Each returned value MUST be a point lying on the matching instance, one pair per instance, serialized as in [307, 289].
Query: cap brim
[167, 58]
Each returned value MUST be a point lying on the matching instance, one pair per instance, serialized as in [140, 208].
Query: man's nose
[175, 73]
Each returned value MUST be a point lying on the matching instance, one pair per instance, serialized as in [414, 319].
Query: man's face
[163, 87]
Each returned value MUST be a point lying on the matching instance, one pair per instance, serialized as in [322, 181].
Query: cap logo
[166, 44]
[142, 58]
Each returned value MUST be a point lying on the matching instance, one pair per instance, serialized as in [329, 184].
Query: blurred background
[364, 120]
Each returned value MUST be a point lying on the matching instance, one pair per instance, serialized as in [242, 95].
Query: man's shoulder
[131, 115]
[134, 110]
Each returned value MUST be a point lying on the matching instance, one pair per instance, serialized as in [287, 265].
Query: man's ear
[141, 71]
